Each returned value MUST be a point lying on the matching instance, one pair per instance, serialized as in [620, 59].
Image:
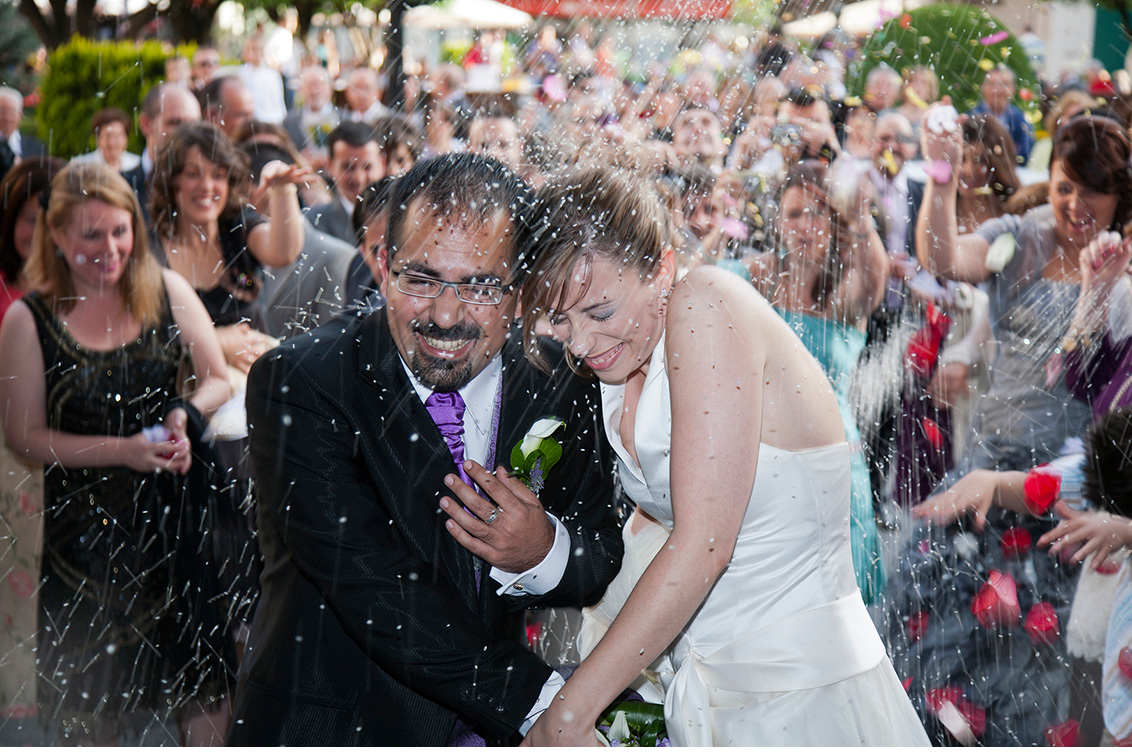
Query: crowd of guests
[962, 283]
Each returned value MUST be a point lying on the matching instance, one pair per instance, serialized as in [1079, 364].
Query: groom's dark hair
[465, 189]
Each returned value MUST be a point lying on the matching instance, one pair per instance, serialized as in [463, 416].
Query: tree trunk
[305, 9]
[192, 24]
[84, 18]
[138, 20]
[394, 64]
[43, 29]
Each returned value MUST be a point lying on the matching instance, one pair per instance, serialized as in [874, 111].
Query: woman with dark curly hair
[205, 230]
[988, 178]
[19, 203]
[1031, 266]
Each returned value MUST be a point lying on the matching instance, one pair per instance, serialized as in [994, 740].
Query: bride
[731, 443]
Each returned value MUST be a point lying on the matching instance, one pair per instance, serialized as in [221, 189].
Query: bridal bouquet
[634, 724]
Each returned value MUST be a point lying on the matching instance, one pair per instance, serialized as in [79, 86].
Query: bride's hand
[560, 727]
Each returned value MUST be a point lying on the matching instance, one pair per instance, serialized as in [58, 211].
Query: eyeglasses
[484, 294]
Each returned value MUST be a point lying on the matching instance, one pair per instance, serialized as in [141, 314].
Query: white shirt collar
[346, 205]
[16, 143]
[479, 399]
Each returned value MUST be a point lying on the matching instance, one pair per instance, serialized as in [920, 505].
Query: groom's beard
[445, 375]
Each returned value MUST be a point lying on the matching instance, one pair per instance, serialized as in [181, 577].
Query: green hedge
[950, 39]
[83, 77]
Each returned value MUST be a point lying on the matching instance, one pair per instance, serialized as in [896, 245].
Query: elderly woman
[111, 128]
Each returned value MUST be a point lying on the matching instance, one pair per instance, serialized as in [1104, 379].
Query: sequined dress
[122, 623]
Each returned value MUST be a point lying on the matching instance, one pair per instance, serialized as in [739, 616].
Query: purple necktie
[447, 411]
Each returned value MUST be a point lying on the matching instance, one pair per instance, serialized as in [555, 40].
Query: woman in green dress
[827, 278]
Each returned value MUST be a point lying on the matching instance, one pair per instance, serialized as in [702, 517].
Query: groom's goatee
[444, 375]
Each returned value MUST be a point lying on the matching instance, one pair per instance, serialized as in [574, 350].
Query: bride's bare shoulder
[707, 294]
[711, 309]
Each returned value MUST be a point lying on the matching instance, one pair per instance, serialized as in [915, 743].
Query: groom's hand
[520, 534]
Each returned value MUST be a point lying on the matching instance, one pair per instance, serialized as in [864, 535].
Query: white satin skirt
[816, 678]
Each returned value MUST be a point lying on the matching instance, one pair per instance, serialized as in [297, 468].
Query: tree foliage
[83, 77]
[959, 42]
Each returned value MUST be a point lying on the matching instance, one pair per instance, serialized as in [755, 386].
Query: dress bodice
[782, 650]
[793, 550]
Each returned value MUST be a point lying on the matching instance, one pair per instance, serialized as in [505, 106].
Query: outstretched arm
[938, 244]
[865, 265]
[975, 493]
[1093, 532]
[715, 372]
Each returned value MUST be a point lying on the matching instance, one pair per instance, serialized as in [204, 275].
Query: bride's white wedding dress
[782, 652]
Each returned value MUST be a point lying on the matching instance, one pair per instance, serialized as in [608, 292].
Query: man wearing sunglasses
[387, 579]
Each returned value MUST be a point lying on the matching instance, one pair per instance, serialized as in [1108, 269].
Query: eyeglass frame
[503, 288]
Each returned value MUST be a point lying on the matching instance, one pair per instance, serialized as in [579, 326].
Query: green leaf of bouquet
[552, 453]
[637, 714]
[518, 464]
[652, 732]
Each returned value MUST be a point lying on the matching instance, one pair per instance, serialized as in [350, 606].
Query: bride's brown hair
[596, 211]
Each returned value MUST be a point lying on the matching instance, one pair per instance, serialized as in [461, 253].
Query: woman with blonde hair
[89, 383]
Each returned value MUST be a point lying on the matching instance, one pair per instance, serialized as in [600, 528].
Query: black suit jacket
[139, 182]
[332, 218]
[370, 630]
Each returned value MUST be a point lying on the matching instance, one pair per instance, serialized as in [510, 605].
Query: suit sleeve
[325, 509]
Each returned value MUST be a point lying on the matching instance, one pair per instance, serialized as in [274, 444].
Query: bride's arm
[715, 370]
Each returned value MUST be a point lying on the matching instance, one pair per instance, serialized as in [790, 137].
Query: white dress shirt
[479, 400]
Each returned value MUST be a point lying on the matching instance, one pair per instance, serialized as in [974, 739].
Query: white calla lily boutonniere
[534, 455]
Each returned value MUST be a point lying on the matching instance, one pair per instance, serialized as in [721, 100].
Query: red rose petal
[931, 431]
[534, 633]
[1124, 662]
[1042, 624]
[975, 716]
[936, 698]
[907, 684]
[905, 21]
[1042, 486]
[1016, 542]
[1109, 567]
[1064, 734]
[917, 624]
[996, 603]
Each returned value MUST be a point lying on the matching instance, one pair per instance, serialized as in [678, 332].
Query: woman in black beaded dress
[130, 643]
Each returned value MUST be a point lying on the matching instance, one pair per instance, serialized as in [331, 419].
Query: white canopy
[467, 14]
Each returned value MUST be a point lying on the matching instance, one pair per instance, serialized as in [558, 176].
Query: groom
[381, 620]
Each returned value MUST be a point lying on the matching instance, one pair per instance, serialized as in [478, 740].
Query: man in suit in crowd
[381, 620]
[227, 103]
[356, 161]
[165, 107]
[363, 96]
[310, 124]
[15, 146]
